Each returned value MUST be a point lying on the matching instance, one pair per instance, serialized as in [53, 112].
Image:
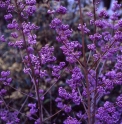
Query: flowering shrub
[91, 71]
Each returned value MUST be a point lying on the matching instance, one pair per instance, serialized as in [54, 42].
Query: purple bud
[9, 80]
[61, 10]
[30, 49]
[9, 16]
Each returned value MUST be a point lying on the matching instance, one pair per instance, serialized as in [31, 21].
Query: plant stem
[85, 64]
[96, 82]
[32, 69]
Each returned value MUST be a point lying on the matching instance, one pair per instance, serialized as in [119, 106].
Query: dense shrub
[58, 71]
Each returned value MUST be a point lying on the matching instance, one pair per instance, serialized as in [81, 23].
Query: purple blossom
[89, 14]
[114, 16]
[119, 101]
[55, 23]
[71, 120]
[85, 29]
[2, 38]
[120, 23]
[30, 2]
[95, 37]
[103, 13]
[75, 97]
[103, 24]
[63, 93]
[118, 36]
[91, 46]
[39, 64]
[8, 16]
[69, 51]
[67, 108]
[19, 44]
[61, 10]
[30, 10]
[33, 109]
[116, 6]
[5, 73]
[9, 117]
[60, 105]
[108, 114]
[76, 79]
[10, 7]
[32, 39]
[51, 11]
[14, 34]
[27, 27]
[46, 54]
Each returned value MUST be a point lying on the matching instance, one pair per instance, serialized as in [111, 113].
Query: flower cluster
[46, 54]
[33, 109]
[108, 114]
[5, 77]
[71, 120]
[76, 79]
[9, 117]
[92, 67]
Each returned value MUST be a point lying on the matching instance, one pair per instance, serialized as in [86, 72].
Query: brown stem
[94, 64]
[32, 69]
[82, 101]
[85, 64]
[34, 80]
[96, 82]
[53, 115]
[22, 92]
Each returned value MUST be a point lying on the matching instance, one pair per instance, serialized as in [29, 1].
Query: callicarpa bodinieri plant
[91, 71]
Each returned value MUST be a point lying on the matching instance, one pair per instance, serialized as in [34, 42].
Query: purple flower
[5, 73]
[14, 34]
[63, 93]
[2, 38]
[85, 29]
[19, 44]
[91, 46]
[120, 23]
[118, 36]
[116, 6]
[46, 54]
[67, 108]
[75, 97]
[114, 16]
[60, 105]
[8, 16]
[71, 120]
[30, 10]
[119, 101]
[55, 23]
[76, 79]
[103, 13]
[69, 50]
[33, 109]
[30, 2]
[95, 37]
[9, 117]
[61, 10]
